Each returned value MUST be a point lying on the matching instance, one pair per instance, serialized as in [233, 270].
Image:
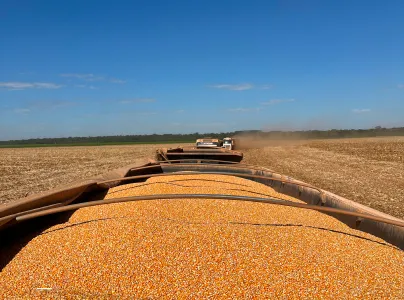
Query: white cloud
[244, 109]
[360, 110]
[83, 86]
[43, 105]
[86, 77]
[241, 86]
[46, 85]
[91, 77]
[22, 111]
[80, 76]
[233, 87]
[400, 86]
[116, 80]
[139, 100]
[277, 101]
[12, 85]
[180, 111]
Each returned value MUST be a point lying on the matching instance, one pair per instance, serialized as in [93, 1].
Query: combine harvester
[197, 223]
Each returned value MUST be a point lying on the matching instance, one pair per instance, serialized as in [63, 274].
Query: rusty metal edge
[390, 233]
[350, 203]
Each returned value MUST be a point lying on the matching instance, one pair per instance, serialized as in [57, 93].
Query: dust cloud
[254, 141]
[285, 133]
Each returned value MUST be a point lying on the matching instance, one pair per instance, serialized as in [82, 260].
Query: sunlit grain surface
[203, 248]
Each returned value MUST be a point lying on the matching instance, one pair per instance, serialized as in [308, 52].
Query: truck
[208, 142]
[228, 143]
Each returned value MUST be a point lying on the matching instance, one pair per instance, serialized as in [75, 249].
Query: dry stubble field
[369, 171]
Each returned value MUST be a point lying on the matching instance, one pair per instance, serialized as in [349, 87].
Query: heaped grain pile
[203, 248]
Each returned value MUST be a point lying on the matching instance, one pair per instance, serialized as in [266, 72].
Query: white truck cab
[228, 143]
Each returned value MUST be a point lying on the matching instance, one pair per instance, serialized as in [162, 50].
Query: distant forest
[173, 138]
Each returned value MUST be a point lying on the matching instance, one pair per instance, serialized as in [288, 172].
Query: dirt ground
[369, 171]
[33, 170]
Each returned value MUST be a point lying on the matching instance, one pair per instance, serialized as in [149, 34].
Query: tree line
[191, 137]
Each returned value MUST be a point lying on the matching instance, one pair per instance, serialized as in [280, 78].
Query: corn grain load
[203, 248]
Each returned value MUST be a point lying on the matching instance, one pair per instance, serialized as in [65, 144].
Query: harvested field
[223, 249]
[369, 171]
[33, 170]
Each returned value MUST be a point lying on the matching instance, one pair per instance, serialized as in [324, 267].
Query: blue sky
[81, 68]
